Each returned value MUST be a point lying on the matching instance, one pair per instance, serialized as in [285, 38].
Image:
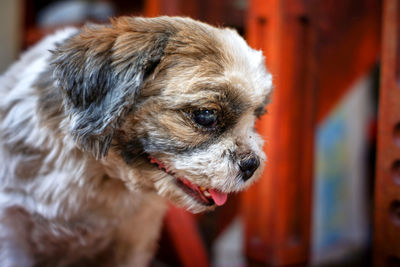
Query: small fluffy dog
[100, 125]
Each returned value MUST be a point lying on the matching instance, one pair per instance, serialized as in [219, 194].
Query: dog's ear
[101, 71]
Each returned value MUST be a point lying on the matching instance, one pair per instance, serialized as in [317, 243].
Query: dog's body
[95, 134]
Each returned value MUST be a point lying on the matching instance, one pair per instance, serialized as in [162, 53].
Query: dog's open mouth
[203, 195]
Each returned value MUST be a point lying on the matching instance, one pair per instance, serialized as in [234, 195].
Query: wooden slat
[348, 46]
[152, 8]
[387, 186]
[183, 232]
[277, 210]
[315, 50]
[189, 8]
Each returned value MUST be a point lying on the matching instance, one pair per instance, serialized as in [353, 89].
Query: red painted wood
[152, 8]
[182, 229]
[387, 186]
[171, 8]
[348, 46]
[277, 209]
[315, 51]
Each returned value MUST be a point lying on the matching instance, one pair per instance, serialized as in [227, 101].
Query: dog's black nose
[248, 166]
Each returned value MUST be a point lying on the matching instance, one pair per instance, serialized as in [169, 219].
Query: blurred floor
[228, 248]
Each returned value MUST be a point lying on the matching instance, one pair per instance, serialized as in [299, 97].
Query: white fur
[249, 64]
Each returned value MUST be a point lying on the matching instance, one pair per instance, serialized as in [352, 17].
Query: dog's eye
[206, 117]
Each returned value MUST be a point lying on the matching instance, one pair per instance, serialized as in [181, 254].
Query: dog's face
[171, 102]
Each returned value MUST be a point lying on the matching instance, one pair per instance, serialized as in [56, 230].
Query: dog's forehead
[233, 67]
[245, 65]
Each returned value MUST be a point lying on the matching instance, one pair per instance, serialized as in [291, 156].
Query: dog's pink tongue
[218, 197]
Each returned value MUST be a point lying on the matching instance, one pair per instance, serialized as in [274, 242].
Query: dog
[102, 126]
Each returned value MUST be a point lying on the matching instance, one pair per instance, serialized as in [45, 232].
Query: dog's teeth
[206, 193]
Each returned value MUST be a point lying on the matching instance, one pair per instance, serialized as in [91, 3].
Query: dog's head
[171, 102]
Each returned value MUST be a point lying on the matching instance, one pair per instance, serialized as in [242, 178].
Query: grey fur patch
[100, 86]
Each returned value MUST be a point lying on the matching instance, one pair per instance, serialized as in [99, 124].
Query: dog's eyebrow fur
[260, 109]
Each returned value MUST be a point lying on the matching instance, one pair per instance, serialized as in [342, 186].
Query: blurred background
[321, 201]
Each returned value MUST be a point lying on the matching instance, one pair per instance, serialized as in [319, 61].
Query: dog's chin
[181, 192]
[181, 199]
